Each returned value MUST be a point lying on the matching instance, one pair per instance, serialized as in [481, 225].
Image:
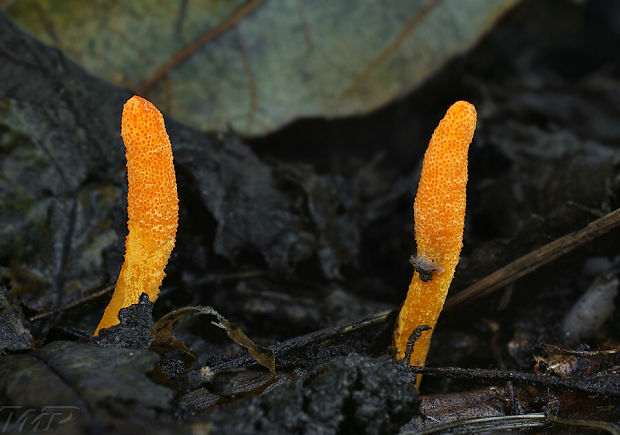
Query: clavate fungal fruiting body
[439, 216]
[152, 207]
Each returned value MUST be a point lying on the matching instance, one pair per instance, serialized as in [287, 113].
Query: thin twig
[316, 337]
[589, 384]
[535, 259]
[74, 304]
[584, 353]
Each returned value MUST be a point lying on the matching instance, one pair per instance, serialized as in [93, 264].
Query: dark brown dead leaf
[14, 331]
[164, 339]
[90, 377]
[505, 407]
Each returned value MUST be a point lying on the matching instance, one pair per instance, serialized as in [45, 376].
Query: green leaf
[256, 65]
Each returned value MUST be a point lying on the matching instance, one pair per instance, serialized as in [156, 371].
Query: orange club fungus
[439, 217]
[152, 207]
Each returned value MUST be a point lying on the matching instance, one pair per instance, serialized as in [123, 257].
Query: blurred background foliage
[256, 65]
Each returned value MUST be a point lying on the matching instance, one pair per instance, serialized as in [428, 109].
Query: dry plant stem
[588, 384]
[511, 422]
[152, 207]
[535, 259]
[582, 352]
[439, 216]
[72, 305]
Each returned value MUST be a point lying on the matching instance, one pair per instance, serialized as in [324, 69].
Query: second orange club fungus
[152, 207]
[439, 217]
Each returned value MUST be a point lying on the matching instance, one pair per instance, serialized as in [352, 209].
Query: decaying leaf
[255, 65]
[63, 188]
[55, 224]
[85, 376]
[14, 332]
[164, 339]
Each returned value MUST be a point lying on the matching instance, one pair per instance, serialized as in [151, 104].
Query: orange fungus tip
[152, 207]
[439, 217]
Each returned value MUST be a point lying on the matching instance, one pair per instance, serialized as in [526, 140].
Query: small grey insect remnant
[425, 267]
